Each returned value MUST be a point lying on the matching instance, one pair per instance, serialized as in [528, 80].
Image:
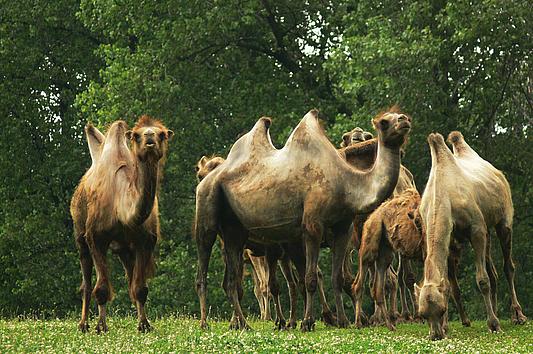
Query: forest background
[209, 70]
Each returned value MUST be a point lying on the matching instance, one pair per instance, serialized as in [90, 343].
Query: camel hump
[95, 139]
[455, 137]
[438, 148]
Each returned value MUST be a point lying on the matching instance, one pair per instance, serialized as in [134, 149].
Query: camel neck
[378, 183]
[147, 183]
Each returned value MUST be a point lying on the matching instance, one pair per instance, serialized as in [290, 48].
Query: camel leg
[456, 293]
[392, 277]
[328, 317]
[233, 249]
[478, 240]
[257, 291]
[86, 263]
[340, 243]
[293, 291]
[383, 262]
[312, 239]
[204, 245]
[143, 264]
[348, 275]
[402, 270]
[102, 290]
[493, 278]
[505, 235]
[272, 256]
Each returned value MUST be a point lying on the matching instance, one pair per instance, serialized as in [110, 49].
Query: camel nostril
[150, 141]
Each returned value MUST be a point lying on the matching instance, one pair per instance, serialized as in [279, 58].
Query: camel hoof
[494, 325]
[307, 325]
[343, 322]
[518, 318]
[364, 319]
[329, 319]
[204, 325]
[466, 323]
[144, 326]
[239, 325]
[83, 327]
[395, 316]
[281, 324]
[292, 324]
[101, 327]
[436, 336]
[406, 317]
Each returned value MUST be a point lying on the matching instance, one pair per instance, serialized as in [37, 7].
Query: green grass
[183, 335]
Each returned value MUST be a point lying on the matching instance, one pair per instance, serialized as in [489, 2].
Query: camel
[395, 227]
[361, 154]
[293, 194]
[354, 136]
[264, 260]
[115, 206]
[464, 197]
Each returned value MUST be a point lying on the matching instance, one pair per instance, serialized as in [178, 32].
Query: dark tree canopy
[209, 70]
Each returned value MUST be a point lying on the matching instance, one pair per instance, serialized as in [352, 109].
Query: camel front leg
[102, 291]
[327, 315]
[143, 265]
[86, 263]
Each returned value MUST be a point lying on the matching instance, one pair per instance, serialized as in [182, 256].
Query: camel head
[355, 136]
[433, 306]
[393, 127]
[207, 164]
[149, 138]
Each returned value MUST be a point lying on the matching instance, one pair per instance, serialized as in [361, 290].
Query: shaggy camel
[264, 260]
[291, 195]
[464, 197]
[115, 206]
[395, 227]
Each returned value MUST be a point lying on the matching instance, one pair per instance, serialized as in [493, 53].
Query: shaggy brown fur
[115, 206]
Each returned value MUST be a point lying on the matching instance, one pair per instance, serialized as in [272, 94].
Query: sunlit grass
[178, 334]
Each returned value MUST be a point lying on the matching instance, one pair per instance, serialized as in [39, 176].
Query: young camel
[115, 206]
[253, 195]
[360, 151]
[264, 260]
[464, 196]
[394, 227]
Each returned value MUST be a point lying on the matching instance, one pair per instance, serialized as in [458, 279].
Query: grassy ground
[184, 335]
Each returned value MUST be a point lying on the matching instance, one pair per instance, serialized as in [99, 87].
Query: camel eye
[384, 123]
[137, 137]
[162, 136]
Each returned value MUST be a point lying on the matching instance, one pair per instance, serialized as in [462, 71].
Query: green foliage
[209, 70]
[179, 334]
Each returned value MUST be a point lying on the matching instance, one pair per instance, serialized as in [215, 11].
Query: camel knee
[141, 294]
[311, 282]
[483, 284]
[101, 294]
[509, 266]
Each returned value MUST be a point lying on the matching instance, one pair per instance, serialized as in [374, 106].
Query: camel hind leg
[286, 269]
[272, 255]
[340, 243]
[86, 263]
[505, 235]
[204, 246]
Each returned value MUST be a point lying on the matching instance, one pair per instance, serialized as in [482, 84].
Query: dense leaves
[209, 69]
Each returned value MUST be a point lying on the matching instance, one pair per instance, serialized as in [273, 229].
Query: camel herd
[273, 207]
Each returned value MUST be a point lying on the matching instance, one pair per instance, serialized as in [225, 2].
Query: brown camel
[354, 136]
[464, 197]
[115, 206]
[394, 227]
[264, 260]
[291, 195]
[361, 154]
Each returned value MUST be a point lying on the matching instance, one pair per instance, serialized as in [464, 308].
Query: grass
[178, 334]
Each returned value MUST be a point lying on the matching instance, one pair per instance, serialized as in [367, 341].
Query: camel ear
[170, 134]
[129, 134]
[346, 137]
[202, 161]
